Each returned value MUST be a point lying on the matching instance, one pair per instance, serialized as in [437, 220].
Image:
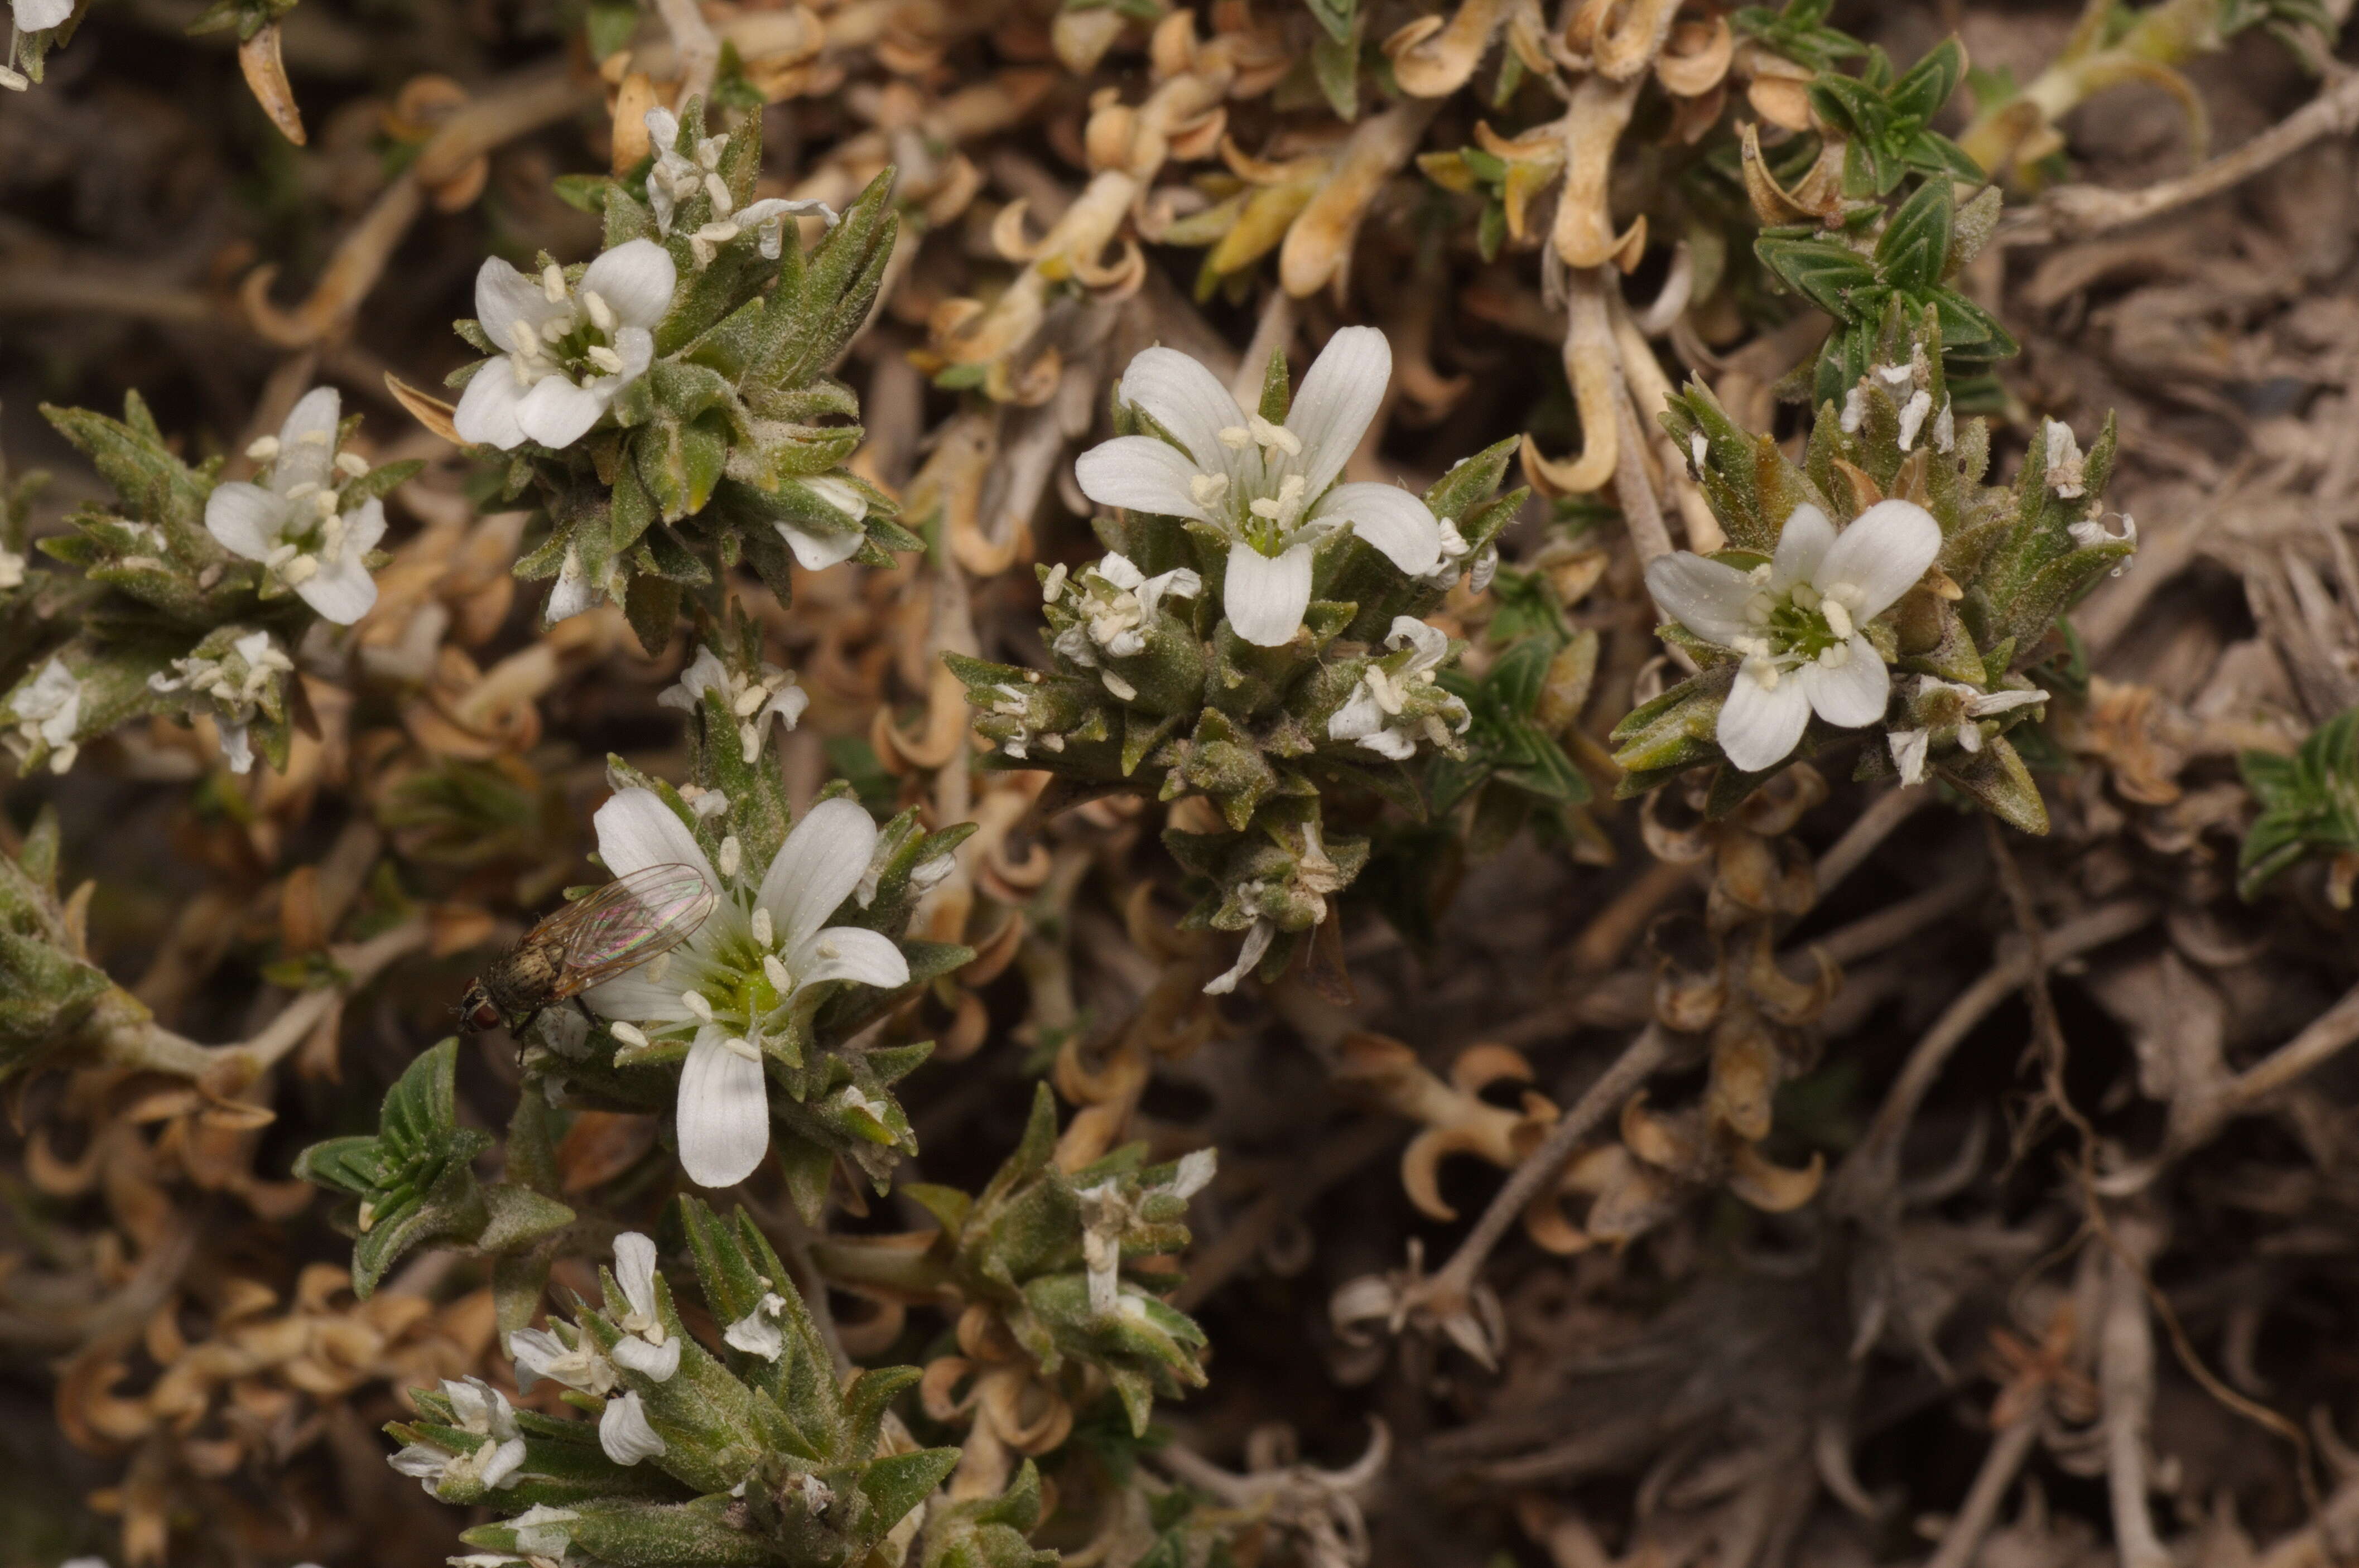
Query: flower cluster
[753, 1451]
[197, 595]
[1255, 634]
[668, 403]
[1799, 627]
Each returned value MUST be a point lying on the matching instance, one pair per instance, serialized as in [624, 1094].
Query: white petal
[504, 295]
[1853, 693]
[363, 526]
[246, 518]
[724, 1113]
[635, 1271]
[657, 1362]
[815, 552]
[1143, 475]
[486, 414]
[1883, 553]
[636, 830]
[500, 1469]
[850, 953]
[1759, 725]
[1705, 596]
[1357, 717]
[572, 592]
[1395, 523]
[636, 999]
[307, 440]
[1259, 937]
[422, 1461]
[1337, 399]
[1982, 704]
[817, 868]
[624, 1435]
[1908, 749]
[1801, 545]
[636, 347]
[32, 16]
[1264, 598]
[1186, 399]
[756, 1334]
[342, 592]
[1431, 643]
[635, 279]
[1396, 744]
[556, 413]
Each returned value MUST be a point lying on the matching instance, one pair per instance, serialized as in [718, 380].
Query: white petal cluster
[755, 703]
[1112, 602]
[295, 522]
[1270, 488]
[1374, 714]
[678, 177]
[1911, 748]
[46, 712]
[1107, 1213]
[815, 548]
[757, 955]
[486, 1413]
[233, 687]
[1796, 621]
[646, 1348]
[566, 348]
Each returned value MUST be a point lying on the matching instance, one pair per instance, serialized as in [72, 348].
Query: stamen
[749, 701]
[723, 203]
[659, 968]
[604, 358]
[1275, 437]
[1838, 617]
[601, 315]
[736, 1046]
[1208, 488]
[351, 463]
[628, 1034]
[299, 570]
[732, 854]
[1237, 438]
[552, 329]
[552, 283]
[696, 1004]
[308, 487]
[765, 931]
[776, 972]
[262, 448]
[281, 556]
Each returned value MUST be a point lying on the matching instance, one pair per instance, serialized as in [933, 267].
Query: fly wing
[630, 921]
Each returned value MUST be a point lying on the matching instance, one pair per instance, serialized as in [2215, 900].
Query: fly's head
[477, 1012]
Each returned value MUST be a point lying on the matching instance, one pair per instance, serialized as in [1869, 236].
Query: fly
[596, 938]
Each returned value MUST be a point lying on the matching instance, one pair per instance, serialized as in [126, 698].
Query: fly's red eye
[484, 1016]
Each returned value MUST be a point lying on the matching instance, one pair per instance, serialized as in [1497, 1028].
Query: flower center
[578, 345]
[1806, 624]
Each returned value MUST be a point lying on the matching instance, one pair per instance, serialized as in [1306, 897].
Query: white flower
[1372, 716]
[540, 1533]
[817, 549]
[566, 348]
[757, 1333]
[754, 703]
[540, 1353]
[1271, 487]
[1798, 621]
[575, 590]
[2065, 462]
[756, 956]
[47, 713]
[646, 1347]
[1106, 1212]
[484, 1412]
[625, 1432]
[677, 176]
[294, 523]
[1911, 747]
[2091, 532]
[31, 17]
[1111, 601]
[231, 687]
[1259, 937]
